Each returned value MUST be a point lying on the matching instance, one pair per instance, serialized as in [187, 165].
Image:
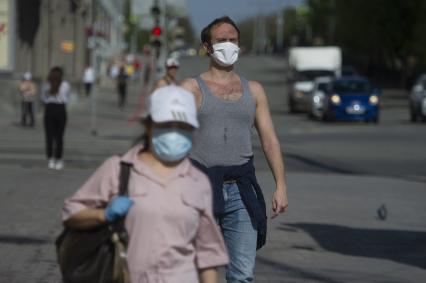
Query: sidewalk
[25, 146]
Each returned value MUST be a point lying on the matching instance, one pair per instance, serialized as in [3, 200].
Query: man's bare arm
[271, 147]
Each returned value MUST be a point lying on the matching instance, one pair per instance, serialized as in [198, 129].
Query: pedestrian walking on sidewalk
[28, 92]
[229, 106]
[88, 79]
[170, 78]
[55, 95]
[122, 79]
[173, 236]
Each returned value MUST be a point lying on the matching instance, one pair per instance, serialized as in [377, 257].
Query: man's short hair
[206, 35]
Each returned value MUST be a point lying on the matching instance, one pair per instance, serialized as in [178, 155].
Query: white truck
[306, 64]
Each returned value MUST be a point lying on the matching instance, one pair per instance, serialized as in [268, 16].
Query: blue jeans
[240, 236]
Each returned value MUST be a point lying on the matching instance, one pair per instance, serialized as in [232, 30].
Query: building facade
[66, 33]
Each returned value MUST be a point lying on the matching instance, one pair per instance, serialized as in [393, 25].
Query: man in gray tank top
[228, 108]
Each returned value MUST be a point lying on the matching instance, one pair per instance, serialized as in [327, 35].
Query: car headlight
[374, 99]
[335, 99]
[317, 99]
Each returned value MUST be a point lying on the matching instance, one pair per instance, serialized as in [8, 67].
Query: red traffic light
[156, 31]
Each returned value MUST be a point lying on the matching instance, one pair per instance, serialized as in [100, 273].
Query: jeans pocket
[232, 197]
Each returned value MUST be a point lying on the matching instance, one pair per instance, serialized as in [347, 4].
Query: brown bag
[97, 255]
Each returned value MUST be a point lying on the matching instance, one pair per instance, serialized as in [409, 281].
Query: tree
[378, 36]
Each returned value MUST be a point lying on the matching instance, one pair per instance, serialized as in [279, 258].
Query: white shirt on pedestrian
[62, 97]
[89, 75]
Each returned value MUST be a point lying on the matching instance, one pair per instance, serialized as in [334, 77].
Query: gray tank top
[224, 135]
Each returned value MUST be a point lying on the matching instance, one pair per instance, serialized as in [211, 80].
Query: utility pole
[259, 35]
[93, 54]
[49, 34]
[254, 36]
[280, 31]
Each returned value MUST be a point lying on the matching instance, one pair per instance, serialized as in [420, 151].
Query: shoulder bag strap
[124, 178]
[118, 225]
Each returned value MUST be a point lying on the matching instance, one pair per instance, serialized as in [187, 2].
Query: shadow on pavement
[294, 272]
[22, 240]
[406, 247]
[318, 166]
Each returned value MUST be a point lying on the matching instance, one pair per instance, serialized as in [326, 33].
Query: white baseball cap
[173, 103]
[27, 76]
[172, 62]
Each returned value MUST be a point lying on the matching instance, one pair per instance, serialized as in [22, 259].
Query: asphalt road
[394, 147]
[338, 176]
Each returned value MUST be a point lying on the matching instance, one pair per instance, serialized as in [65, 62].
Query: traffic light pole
[159, 33]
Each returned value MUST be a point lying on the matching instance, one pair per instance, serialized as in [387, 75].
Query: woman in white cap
[173, 236]
[170, 78]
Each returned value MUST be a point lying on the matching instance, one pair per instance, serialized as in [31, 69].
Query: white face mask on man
[225, 53]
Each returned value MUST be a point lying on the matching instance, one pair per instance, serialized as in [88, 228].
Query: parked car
[418, 100]
[352, 99]
[317, 97]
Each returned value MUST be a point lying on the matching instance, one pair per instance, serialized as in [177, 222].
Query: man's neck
[219, 73]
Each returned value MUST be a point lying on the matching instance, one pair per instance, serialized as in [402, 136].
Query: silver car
[301, 85]
[418, 100]
[317, 97]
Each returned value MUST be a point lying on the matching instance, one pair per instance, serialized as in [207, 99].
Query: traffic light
[156, 31]
[155, 10]
[157, 36]
[156, 39]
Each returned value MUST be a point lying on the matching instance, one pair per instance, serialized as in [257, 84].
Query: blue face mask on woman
[171, 144]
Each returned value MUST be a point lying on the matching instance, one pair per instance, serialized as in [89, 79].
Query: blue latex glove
[117, 208]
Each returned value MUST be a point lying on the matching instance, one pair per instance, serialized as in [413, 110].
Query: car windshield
[311, 75]
[348, 71]
[323, 87]
[350, 86]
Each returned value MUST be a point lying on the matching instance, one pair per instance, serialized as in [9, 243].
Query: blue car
[352, 99]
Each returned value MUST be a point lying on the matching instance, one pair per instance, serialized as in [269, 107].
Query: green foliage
[384, 39]
[188, 36]
[376, 35]
[291, 26]
[128, 22]
[246, 33]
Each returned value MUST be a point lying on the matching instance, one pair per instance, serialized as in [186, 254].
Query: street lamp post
[93, 54]
[93, 101]
[280, 31]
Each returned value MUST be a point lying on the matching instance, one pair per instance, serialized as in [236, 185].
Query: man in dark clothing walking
[122, 87]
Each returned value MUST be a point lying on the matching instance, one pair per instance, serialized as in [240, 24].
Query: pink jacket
[171, 228]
